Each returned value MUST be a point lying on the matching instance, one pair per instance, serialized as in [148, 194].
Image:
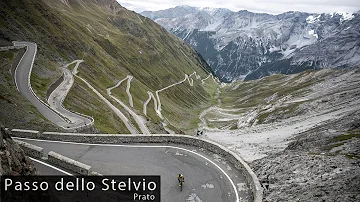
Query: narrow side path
[157, 101]
[139, 121]
[126, 121]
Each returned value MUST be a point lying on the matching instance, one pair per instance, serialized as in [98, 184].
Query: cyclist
[181, 179]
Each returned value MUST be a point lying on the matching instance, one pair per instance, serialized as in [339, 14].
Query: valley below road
[307, 147]
[298, 131]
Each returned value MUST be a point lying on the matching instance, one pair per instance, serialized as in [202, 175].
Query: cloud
[262, 6]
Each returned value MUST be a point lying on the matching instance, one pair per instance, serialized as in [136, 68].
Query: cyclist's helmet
[181, 175]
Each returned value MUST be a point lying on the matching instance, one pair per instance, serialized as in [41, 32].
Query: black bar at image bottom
[80, 188]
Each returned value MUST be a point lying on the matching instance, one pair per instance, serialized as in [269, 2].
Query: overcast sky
[262, 6]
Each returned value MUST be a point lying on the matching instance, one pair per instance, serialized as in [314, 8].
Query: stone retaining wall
[65, 162]
[55, 158]
[25, 133]
[54, 86]
[237, 161]
[5, 48]
[31, 150]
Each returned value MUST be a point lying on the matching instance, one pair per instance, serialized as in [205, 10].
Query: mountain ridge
[244, 45]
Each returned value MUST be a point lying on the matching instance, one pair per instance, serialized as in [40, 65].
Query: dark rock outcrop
[12, 158]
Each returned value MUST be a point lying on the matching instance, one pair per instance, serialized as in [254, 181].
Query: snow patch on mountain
[213, 26]
[313, 19]
[239, 43]
[312, 33]
[344, 15]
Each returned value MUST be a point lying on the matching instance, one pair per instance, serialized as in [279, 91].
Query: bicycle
[181, 183]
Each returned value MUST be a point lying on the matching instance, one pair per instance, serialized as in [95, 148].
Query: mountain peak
[344, 15]
[260, 39]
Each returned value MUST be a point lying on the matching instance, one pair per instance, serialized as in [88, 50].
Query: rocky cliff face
[240, 45]
[12, 158]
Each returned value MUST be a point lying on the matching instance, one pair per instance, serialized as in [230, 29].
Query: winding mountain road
[56, 113]
[22, 81]
[139, 121]
[57, 97]
[125, 120]
[208, 177]
[157, 101]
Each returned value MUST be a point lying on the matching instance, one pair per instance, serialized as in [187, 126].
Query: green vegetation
[288, 109]
[16, 111]
[252, 93]
[106, 121]
[232, 125]
[268, 99]
[72, 66]
[333, 145]
[351, 156]
[340, 141]
[40, 84]
[9, 55]
[113, 42]
[352, 134]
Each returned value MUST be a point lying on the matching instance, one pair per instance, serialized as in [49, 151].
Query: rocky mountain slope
[12, 158]
[321, 164]
[299, 133]
[114, 43]
[246, 45]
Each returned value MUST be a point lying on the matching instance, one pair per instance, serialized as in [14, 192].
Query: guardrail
[31, 150]
[5, 48]
[56, 159]
[236, 160]
[54, 85]
[68, 163]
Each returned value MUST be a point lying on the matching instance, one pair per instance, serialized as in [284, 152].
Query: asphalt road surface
[45, 169]
[22, 80]
[208, 177]
[57, 97]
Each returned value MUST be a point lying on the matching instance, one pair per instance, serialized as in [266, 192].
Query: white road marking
[144, 146]
[53, 167]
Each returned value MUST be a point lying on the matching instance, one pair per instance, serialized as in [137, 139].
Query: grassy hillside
[267, 100]
[16, 111]
[113, 42]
